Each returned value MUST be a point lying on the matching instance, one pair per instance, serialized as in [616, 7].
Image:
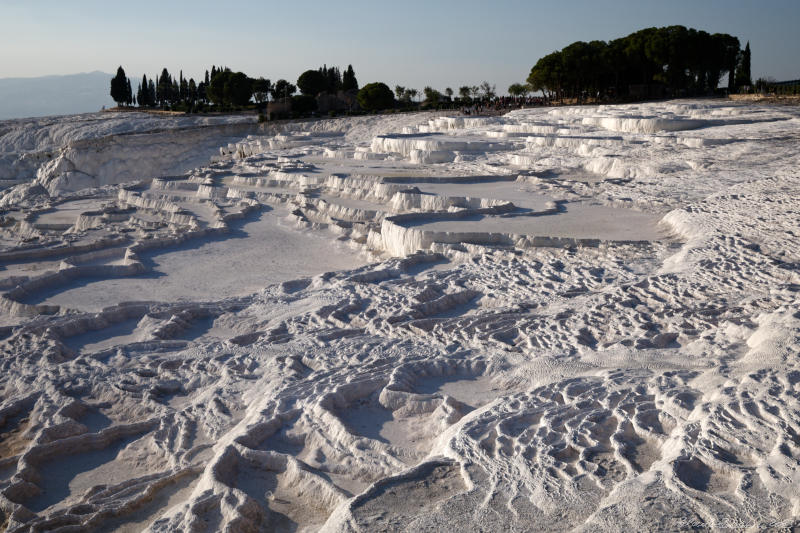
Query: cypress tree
[174, 93]
[192, 90]
[128, 92]
[349, 81]
[334, 80]
[164, 88]
[141, 94]
[151, 93]
[119, 89]
[743, 69]
[184, 90]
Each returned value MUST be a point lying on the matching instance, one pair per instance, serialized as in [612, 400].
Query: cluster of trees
[226, 89]
[435, 99]
[378, 96]
[322, 81]
[770, 86]
[682, 61]
[327, 80]
[166, 91]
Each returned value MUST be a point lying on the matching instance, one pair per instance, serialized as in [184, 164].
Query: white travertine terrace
[573, 318]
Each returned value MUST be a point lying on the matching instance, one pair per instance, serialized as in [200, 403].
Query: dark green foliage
[143, 94]
[183, 88]
[404, 95]
[119, 87]
[282, 89]
[261, 88]
[375, 96]
[216, 87]
[333, 77]
[164, 88]
[432, 97]
[128, 92]
[304, 104]
[680, 61]
[229, 88]
[743, 68]
[327, 80]
[349, 81]
[238, 89]
[782, 88]
[192, 91]
[312, 82]
[202, 96]
[518, 89]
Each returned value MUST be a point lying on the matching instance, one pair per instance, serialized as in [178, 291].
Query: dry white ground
[559, 319]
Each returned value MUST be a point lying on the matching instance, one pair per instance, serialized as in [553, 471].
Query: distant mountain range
[54, 95]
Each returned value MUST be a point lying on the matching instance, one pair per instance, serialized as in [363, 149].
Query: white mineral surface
[559, 319]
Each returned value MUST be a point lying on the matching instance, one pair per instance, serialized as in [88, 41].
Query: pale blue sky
[413, 43]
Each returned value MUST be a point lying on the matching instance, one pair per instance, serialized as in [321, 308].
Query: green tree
[151, 93]
[399, 91]
[349, 81]
[128, 92]
[432, 96]
[334, 78]
[743, 69]
[282, 89]
[183, 89]
[303, 103]
[238, 89]
[375, 96]
[119, 87]
[216, 87]
[312, 82]
[192, 89]
[517, 89]
[143, 94]
[261, 88]
[229, 88]
[164, 88]
[174, 93]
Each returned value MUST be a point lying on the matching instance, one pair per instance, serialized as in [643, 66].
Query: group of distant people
[502, 103]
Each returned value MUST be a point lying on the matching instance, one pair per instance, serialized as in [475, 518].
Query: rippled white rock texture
[581, 318]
